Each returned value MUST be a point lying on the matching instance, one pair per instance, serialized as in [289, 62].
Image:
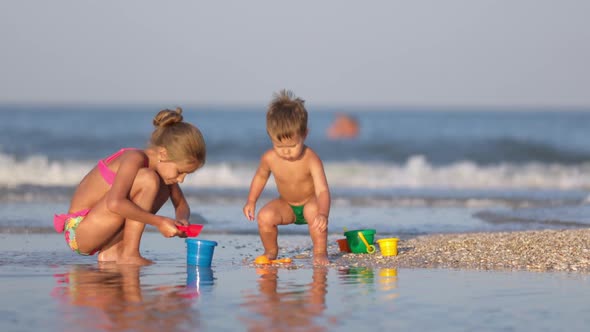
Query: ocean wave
[416, 172]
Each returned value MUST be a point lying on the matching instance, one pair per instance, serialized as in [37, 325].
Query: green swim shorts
[299, 218]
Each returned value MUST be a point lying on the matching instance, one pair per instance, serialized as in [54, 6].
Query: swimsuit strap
[105, 171]
[116, 154]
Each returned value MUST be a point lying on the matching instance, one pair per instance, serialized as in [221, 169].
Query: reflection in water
[288, 307]
[198, 276]
[355, 275]
[365, 277]
[388, 283]
[110, 297]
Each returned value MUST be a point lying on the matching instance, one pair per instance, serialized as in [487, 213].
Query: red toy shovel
[191, 230]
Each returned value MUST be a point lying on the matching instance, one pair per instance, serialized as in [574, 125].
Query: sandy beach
[546, 250]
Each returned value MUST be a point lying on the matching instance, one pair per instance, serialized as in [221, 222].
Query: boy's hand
[250, 210]
[320, 222]
[168, 228]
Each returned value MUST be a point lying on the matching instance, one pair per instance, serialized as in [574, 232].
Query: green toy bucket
[356, 243]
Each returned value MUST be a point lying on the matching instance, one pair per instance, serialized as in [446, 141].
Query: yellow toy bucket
[388, 246]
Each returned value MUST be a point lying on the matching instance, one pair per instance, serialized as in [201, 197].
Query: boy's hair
[183, 142]
[286, 116]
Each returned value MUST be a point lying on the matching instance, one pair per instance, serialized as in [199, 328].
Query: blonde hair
[286, 116]
[183, 142]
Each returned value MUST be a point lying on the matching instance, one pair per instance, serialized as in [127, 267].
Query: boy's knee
[267, 216]
[264, 214]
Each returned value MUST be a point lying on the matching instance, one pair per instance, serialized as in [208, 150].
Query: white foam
[416, 172]
[38, 170]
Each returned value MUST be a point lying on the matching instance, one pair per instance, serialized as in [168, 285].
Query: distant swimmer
[345, 126]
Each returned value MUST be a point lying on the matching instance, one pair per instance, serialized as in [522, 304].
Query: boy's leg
[318, 238]
[274, 213]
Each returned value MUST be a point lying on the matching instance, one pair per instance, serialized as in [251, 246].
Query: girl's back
[96, 183]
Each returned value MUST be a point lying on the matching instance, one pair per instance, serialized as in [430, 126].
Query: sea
[409, 172]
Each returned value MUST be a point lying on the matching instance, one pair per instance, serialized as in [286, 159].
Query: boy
[299, 176]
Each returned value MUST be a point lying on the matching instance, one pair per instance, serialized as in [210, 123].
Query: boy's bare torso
[293, 178]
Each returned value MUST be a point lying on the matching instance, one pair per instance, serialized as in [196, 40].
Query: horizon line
[323, 107]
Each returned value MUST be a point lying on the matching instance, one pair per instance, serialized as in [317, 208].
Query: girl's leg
[103, 229]
[276, 212]
[151, 200]
[318, 238]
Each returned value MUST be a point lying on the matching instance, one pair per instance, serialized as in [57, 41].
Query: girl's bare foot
[134, 260]
[108, 256]
[103, 258]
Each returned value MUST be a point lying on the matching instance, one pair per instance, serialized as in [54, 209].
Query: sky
[431, 53]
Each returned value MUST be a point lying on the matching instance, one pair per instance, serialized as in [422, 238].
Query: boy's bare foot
[320, 259]
[270, 255]
[134, 260]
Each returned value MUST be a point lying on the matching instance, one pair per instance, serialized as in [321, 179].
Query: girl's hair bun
[168, 117]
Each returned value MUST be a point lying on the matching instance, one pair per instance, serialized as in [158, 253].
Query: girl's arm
[258, 182]
[117, 199]
[181, 207]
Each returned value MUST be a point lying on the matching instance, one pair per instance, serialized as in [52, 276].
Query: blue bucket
[199, 252]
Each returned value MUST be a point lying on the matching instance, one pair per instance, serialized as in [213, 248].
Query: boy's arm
[181, 208]
[320, 183]
[258, 182]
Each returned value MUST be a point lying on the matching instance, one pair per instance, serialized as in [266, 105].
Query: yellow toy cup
[388, 246]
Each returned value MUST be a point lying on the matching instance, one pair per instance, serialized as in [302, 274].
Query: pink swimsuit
[60, 220]
[105, 171]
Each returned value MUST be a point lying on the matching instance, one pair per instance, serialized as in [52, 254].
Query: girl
[118, 197]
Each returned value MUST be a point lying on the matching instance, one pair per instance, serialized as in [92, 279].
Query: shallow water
[45, 287]
[398, 221]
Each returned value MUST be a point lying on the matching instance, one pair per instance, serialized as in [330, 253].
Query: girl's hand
[320, 222]
[250, 210]
[182, 222]
[168, 228]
